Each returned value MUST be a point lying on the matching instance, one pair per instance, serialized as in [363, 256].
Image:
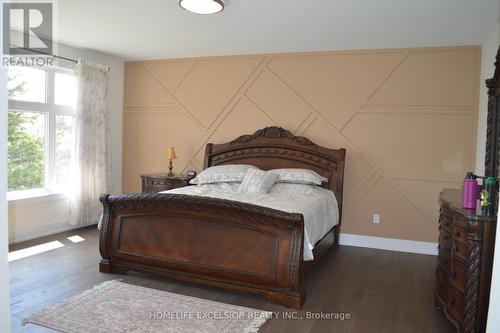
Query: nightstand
[157, 182]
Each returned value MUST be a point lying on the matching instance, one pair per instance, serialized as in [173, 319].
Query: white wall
[4, 266]
[35, 217]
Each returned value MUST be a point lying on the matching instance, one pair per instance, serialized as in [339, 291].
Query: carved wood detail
[492, 157]
[273, 132]
[472, 286]
[147, 201]
[103, 232]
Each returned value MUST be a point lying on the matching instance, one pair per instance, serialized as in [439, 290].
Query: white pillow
[257, 181]
[222, 174]
[299, 176]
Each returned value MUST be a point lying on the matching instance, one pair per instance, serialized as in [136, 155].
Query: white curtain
[93, 166]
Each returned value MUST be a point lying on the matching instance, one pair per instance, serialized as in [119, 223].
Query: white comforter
[318, 205]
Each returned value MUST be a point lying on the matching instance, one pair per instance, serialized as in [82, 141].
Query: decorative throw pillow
[257, 181]
[222, 174]
[299, 176]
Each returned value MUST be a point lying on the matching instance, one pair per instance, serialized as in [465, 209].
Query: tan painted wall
[407, 118]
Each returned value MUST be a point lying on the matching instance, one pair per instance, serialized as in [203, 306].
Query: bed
[220, 242]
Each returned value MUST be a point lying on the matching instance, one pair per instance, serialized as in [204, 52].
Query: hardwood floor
[383, 291]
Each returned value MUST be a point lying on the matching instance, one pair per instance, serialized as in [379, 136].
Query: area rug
[114, 306]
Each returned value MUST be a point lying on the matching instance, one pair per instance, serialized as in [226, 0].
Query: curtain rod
[40, 52]
[64, 58]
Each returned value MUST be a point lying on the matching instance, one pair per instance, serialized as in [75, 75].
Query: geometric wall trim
[407, 118]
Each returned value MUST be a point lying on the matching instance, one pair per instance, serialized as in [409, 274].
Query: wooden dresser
[463, 272]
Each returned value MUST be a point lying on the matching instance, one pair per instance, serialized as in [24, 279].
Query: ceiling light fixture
[202, 6]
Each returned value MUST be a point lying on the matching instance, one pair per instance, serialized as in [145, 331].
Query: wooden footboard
[205, 240]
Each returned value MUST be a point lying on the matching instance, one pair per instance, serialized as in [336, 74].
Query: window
[41, 130]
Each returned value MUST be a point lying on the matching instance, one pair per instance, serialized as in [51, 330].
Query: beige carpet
[114, 306]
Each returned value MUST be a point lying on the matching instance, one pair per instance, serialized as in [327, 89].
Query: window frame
[51, 110]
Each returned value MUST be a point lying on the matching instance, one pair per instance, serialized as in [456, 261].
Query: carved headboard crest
[273, 133]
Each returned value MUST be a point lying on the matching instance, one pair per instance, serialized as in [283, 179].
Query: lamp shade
[171, 153]
[202, 6]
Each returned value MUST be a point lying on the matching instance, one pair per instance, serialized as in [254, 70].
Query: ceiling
[151, 29]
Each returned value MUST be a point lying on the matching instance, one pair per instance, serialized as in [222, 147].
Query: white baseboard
[42, 230]
[391, 244]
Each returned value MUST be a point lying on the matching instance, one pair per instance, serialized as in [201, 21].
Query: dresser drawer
[445, 220]
[155, 186]
[455, 304]
[444, 258]
[459, 221]
[155, 183]
[457, 275]
[153, 189]
[460, 250]
[445, 237]
[442, 283]
[460, 235]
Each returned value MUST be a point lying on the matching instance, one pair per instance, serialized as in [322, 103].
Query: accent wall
[407, 118]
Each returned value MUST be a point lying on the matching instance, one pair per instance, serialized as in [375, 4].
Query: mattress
[317, 205]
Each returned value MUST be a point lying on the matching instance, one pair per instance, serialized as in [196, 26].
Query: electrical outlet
[376, 218]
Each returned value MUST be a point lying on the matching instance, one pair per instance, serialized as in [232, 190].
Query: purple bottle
[470, 191]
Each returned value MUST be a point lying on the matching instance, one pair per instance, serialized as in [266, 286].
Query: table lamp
[171, 156]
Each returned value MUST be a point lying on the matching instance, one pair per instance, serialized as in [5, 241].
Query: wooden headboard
[275, 147]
